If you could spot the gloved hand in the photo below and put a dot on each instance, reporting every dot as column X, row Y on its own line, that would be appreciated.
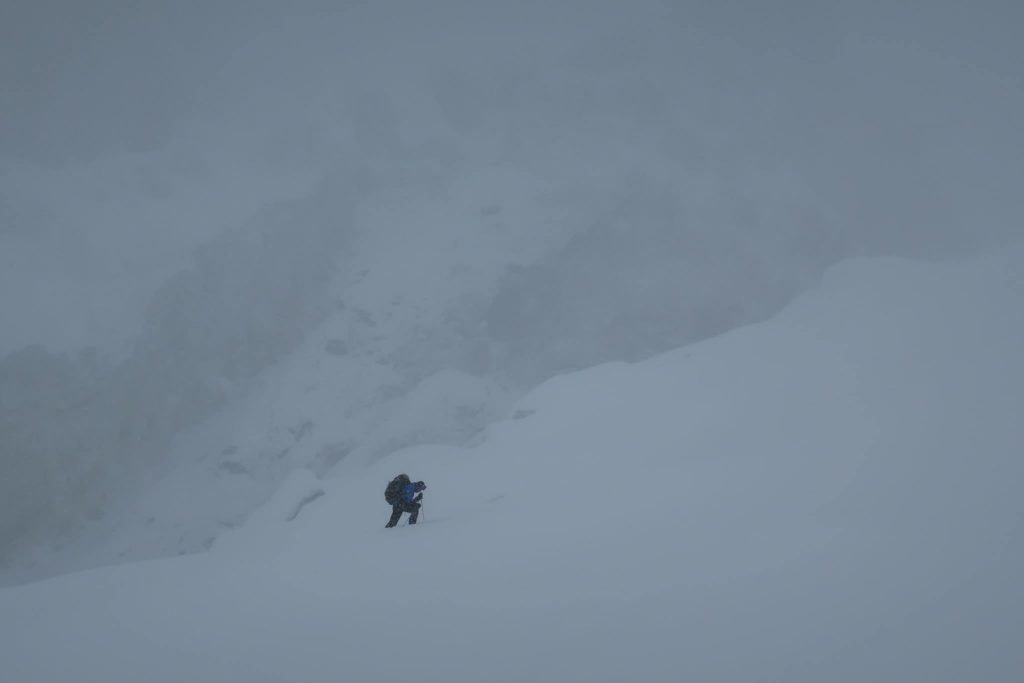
column 418, row 498
column 420, row 486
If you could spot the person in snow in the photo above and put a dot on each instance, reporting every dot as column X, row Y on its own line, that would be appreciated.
column 404, row 495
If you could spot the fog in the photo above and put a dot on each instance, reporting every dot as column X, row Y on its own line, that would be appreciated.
column 505, row 189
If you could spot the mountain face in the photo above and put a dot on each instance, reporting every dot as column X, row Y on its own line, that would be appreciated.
column 829, row 494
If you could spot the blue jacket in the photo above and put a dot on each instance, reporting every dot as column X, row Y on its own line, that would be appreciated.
column 410, row 490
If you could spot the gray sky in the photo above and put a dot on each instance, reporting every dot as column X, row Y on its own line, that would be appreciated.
column 911, row 103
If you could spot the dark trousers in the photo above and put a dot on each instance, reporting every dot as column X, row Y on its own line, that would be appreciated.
column 398, row 508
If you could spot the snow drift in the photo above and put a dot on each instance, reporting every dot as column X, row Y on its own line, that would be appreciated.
column 828, row 496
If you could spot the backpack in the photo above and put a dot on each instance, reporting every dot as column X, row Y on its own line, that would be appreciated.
column 393, row 493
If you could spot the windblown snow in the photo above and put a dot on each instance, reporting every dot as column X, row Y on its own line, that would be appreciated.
column 832, row 495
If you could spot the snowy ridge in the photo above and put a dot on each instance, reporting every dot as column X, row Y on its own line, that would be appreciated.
column 828, row 496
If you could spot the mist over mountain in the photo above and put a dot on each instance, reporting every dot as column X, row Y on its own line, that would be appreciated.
column 449, row 198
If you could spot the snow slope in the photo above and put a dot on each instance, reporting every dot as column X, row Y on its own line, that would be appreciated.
column 828, row 496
